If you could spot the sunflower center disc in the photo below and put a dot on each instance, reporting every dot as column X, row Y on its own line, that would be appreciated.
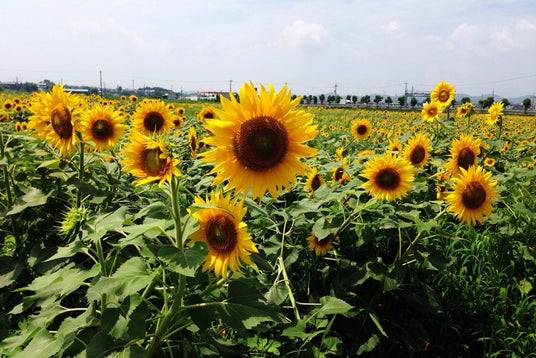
column 221, row 234
column 388, row 179
column 417, row 155
column 466, row 158
column 153, row 121
column 152, row 162
column 338, row 173
column 315, row 183
column 362, row 129
column 102, row 129
column 260, row 143
column 473, row 195
column 61, row 121
column 443, row 96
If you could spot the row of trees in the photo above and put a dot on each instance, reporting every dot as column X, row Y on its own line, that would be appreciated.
column 367, row 99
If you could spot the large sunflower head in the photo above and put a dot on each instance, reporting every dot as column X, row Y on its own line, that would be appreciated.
column 473, row 195
column 389, row 177
column 54, row 118
column 257, row 143
column 361, row 128
column 443, row 94
column 152, row 117
column 495, row 112
column 206, row 113
column 464, row 153
column 430, row 111
column 103, row 126
column 222, row 230
column 149, row 160
column 417, row 150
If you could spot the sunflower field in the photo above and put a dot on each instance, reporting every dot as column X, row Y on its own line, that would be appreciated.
column 259, row 226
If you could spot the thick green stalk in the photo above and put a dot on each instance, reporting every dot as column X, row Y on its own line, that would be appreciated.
column 80, row 174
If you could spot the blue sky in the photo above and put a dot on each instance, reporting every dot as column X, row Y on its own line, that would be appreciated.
column 363, row 47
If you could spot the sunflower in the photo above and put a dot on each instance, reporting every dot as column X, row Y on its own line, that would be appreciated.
column 222, row 230
column 394, row 145
column 472, row 195
column 206, row 113
column 180, row 111
column 464, row 153
column 417, row 150
column 495, row 112
column 321, row 247
column 489, row 162
column 361, row 128
column 133, row 98
column 389, row 177
column 314, row 181
column 464, row 110
column 152, row 117
column 103, row 126
column 54, row 119
column 149, row 160
column 193, row 142
column 430, row 111
column 178, row 121
column 257, row 142
column 443, row 94
column 8, row 105
column 340, row 174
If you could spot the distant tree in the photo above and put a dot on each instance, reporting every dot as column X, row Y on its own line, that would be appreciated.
column 354, row 99
column 348, row 98
column 505, row 102
column 331, row 99
column 413, row 102
column 466, row 100
column 322, row 98
column 378, row 99
column 489, row 101
column 389, row 100
column 315, row 99
column 365, row 99
column 401, row 100
column 526, row 104
column 28, row 87
column 338, row 99
column 309, row 98
column 293, row 97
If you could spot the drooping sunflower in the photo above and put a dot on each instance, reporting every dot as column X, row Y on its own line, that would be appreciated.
column 417, row 150
column 314, row 181
column 495, row 111
column 473, row 195
column 221, row 228
column 54, row 118
column 464, row 153
column 103, row 126
column 193, row 142
column 152, row 117
column 361, row 128
column 149, row 159
column 321, row 247
column 430, row 111
column 340, row 174
column 389, row 177
column 443, row 94
column 464, row 110
column 257, row 143
column 394, row 145
column 206, row 113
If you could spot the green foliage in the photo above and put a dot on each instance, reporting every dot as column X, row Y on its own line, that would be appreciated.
column 108, row 277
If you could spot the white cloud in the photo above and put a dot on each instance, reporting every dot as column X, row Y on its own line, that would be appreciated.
column 305, row 34
column 392, row 26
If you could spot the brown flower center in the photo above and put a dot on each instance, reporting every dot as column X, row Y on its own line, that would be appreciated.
column 61, row 121
column 153, row 121
column 339, row 172
column 208, row 115
column 473, row 195
column 444, row 96
column 260, row 143
column 316, row 182
column 102, row 129
column 388, row 178
column 466, row 158
column 432, row 111
column 152, row 163
column 221, row 234
column 362, row 129
column 417, row 155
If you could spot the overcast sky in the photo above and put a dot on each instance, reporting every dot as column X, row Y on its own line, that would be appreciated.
column 362, row 47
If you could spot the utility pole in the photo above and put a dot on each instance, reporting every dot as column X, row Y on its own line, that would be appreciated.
column 335, row 90
column 100, row 75
column 133, row 85
column 230, row 85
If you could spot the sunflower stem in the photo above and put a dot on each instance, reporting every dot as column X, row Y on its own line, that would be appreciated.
column 80, row 174
column 170, row 314
column 289, row 289
column 8, row 189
